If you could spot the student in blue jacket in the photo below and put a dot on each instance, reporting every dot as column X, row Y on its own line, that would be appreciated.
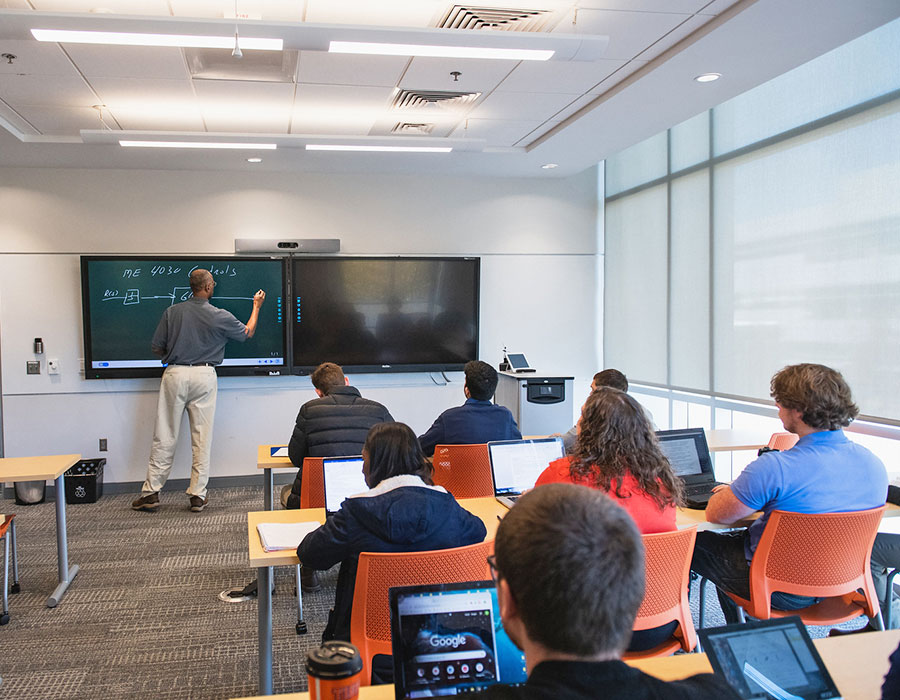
column 401, row 512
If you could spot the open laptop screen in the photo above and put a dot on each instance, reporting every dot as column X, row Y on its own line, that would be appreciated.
column 447, row 639
column 686, row 451
column 769, row 658
column 343, row 478
column 516, row 464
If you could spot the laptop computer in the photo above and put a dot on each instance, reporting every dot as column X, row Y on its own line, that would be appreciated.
column 343, row 478
column 689, row 456
column 447, row 639
column 516, row 464
column 769, row 659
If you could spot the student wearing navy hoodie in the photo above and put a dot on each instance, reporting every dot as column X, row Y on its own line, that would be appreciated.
column 401, row 512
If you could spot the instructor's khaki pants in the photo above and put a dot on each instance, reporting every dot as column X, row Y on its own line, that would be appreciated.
column 183, row 388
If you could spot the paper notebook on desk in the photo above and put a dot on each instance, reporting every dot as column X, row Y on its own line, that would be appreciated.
column 281, row 451
column 279, row 536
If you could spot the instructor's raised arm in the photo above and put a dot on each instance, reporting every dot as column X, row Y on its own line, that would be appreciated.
column 258, row 300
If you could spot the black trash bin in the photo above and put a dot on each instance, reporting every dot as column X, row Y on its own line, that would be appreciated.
column 84, row 481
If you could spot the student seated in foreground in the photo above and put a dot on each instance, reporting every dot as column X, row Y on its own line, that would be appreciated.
column 401, row 512
column 823, row 473
column 617, row 452
column 477, row 420
column 569, row 567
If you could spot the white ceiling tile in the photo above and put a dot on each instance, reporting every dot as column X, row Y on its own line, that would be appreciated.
column 557, row 76
column 59, row 121
column 618, row 76
column 347, row 69
column 333, row 109
column 691, row 25
column 320, row 124
column 498, row 133
column 16, row 5
column 228, row 105
column 158, row 119
column 677, row 6
column 117, row 7
column 521, row 105
column 477, row 75
column 35, row 58
column 137, row 94
column 237, row 90
column 391, row 13
column 268, row 10
column 96, row 61
column 629, row 32
column 572, row 108
column 59, row 90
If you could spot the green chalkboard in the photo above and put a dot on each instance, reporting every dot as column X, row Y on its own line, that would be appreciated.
column 123, row 299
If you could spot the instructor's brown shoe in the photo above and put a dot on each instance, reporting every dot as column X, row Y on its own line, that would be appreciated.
column 198, row 504
column 148, row 502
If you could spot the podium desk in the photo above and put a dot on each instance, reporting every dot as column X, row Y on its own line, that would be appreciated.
column 43, row 469
column 488, row 509
column 857, row 664
column 266, row 462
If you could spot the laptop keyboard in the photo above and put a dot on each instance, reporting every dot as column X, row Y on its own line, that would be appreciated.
column 701, row 488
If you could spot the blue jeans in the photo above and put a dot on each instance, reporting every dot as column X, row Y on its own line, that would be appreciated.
column 720, row 558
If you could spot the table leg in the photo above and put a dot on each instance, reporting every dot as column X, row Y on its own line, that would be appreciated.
column 66, row 574
column 269, row 487
column 264, row 598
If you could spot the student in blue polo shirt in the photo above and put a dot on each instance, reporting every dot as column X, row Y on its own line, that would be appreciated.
column 823, row 473
column 477, row 420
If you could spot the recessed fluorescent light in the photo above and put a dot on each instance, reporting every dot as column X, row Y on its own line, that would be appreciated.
column 397, row 149
column 550, row 166
column 65, row 36
column 708, row 77
column 198, row 144
column 254, row 160
column 439, row 51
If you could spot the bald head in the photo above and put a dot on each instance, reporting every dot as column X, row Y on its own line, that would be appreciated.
column 200, row 280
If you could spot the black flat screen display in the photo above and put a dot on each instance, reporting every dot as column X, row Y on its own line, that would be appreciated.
column 385, row 314
column 123, row 299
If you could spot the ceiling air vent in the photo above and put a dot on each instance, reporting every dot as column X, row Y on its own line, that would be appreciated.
column 503, row 18
column 410, row 129
column 425, row 99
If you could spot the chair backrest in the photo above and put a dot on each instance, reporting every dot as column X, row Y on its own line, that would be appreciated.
column 667, row 561
column 464, row 470
column 370, row 617
column 312, row 484
column 822, row 555
column 782, row 441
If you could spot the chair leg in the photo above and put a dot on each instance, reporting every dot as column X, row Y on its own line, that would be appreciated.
column 889, row 597
column 15, row 557
column 702, row 602
column 4, row 616
column 742, row 617
column 301, row 627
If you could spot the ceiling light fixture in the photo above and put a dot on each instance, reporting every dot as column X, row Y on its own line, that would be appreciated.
column 550, row 166
column 380, row 149
column 708, row 77
column 361, row 47
column 65, row 36
column 254, row 160
column 198, row 144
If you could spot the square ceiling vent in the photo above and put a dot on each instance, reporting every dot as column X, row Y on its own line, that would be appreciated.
column 260, row 66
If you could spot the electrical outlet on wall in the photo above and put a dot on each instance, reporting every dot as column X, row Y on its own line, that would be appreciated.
column 52, row 366
column 32, row 367
column 103, row 444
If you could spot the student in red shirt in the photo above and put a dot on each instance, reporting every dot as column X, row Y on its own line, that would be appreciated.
column 617, row 452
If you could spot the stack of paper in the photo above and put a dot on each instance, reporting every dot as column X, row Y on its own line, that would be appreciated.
column 275, row 536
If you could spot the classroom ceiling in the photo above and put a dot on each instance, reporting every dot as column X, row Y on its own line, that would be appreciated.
column 623, row 70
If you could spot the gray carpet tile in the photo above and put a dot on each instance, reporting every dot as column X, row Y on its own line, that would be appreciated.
column 143, row 618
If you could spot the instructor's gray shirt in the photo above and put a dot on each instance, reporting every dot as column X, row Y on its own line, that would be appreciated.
column 194, row 332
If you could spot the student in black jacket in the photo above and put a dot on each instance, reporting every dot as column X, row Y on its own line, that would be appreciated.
column 569, row 567
column 401, row 512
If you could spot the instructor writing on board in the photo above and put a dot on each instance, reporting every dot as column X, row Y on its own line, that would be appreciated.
column 190, row 339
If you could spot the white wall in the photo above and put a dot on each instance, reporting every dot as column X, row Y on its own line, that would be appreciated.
column 536, row 238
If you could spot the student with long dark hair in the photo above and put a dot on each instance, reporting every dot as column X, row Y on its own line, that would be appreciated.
column 617, row 452
column 401, row 512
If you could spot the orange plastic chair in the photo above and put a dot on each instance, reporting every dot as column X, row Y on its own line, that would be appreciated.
column 825, row 555
column 667, row 561
column 312, row 483
column 370, row 617
column 782, row 441
column 464, row 470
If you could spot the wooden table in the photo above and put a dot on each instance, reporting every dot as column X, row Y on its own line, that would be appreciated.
column 488, row 509
column 266, row 462
column 730, row 440
column 42, row 469
column 857, row 664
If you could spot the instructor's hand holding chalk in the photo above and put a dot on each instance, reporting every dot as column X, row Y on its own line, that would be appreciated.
column 259, row 298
